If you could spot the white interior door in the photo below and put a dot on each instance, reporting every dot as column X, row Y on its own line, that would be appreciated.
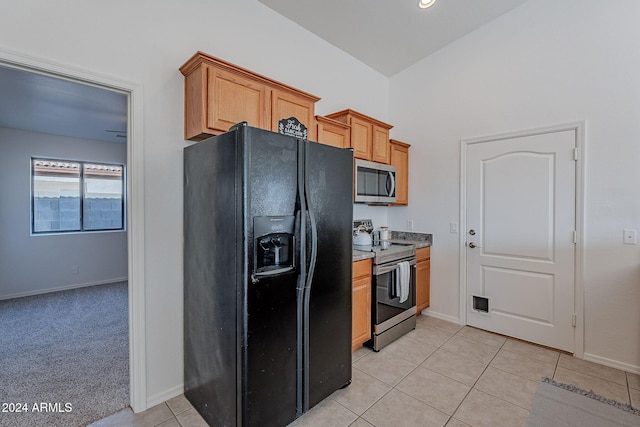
column 520, row 250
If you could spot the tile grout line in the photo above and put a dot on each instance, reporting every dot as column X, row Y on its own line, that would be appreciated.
column 414, row 369
column 528, row 357
column 626, row 377
column 393, row 387
column 478, row 379
column 555, row 368
column 370, row 406
column 471, row 388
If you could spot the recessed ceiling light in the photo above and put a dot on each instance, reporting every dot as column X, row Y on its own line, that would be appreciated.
column 423, row 4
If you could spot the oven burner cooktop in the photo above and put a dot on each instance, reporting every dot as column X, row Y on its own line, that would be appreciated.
column 388, row 252
column 385, row 250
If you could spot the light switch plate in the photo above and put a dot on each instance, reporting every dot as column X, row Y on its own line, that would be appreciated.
column 629, row 237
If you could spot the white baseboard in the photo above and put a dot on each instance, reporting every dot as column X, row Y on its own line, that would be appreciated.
column 165, row 395
column 612, row 363
column 62, row 288
column 452, row 319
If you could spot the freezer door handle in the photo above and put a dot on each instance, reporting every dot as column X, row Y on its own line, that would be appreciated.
column 309, row 276
column 314, row 247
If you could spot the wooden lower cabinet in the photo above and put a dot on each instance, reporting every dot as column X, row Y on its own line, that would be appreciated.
column 423, row 278
column 361, row 304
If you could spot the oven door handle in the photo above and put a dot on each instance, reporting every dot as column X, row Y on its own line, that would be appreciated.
column 384, row 269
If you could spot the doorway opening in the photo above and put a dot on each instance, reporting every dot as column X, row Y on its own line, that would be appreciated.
column 129, row 135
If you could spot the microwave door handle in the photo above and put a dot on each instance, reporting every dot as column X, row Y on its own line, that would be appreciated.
column 391, row 184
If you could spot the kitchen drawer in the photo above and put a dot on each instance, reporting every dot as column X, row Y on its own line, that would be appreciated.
column 362, row 268
column 423, row 253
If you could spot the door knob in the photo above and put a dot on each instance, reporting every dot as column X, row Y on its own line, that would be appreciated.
column 472, row 245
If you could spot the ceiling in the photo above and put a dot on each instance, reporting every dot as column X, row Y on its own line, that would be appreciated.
column 387, row 35
column 39, row 103
column 391, row 35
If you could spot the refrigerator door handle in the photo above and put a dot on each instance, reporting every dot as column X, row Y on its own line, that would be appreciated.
column 300, row 288
column 308, row 281
column 314, row 228
column 314, row 247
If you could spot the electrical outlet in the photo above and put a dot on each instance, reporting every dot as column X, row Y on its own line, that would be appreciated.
column 75, row 269
column 629, row 237
column 410, row 224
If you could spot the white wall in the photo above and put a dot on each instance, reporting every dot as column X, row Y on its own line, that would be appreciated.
column 36, row 264
column 547, row 62
column 145, row 42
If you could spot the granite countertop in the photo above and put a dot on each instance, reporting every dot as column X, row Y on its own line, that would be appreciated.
column 362, row 255
column 420, row 240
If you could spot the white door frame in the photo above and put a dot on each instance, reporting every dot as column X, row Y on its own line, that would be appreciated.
column 579, row 128
column 135, row 204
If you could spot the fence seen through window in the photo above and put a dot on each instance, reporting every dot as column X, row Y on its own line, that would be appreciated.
column 71, row 196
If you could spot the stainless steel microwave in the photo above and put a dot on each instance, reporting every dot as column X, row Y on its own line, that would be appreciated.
column 375, row 183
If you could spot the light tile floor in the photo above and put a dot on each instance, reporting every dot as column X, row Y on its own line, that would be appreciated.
column 440, row 374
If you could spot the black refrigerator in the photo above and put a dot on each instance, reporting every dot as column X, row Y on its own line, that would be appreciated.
column 267, row 275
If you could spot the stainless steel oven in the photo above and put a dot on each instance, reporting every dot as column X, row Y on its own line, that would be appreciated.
column 393, row 314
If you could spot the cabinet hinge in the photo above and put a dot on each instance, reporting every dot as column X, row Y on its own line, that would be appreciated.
column 576, row 153
column 573, row 320
column 575, row 237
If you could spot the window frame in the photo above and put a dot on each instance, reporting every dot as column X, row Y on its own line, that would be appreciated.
column 82, row 191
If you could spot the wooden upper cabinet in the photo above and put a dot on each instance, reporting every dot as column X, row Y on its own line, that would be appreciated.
column 285, row 104
column 249, row 99
column 380, row 151
column 332, row 132
column 400, row 159
column 361, row 137
column 369, row 136
column 219, row 94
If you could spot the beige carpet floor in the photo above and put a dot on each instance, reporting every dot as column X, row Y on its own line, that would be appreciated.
column 64, row 357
